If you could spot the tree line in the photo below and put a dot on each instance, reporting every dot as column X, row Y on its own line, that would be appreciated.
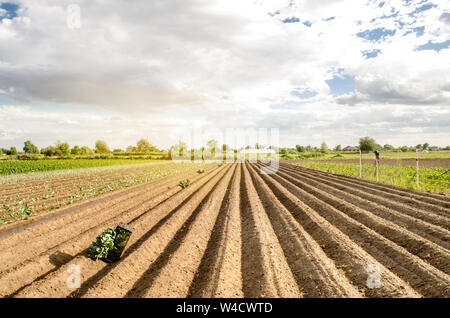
column 63, row 149
column 366, row 144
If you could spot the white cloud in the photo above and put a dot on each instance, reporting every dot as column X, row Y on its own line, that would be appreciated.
column 224, row 61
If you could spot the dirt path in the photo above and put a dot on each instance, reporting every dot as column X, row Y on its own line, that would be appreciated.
column 235, row 232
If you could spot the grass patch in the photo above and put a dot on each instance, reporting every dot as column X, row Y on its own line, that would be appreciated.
column 430, row 179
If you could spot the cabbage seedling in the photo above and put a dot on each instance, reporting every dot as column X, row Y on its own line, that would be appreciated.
column 184, row 183
column 103, row 244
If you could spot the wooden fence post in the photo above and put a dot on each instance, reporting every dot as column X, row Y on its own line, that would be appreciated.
column 417, row 167
column 360, row 164
column 377, row 169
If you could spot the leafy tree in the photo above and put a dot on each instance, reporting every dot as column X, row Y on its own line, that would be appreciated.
column 62, row 148
column 30, row 148
column 76, row 150
column 308, row 148
column 50, row 151
column 132, row 149
column 258, row 146
column 324, row 148
column 12, row 151
column 338, row 148
column 117, row 150
column 143, row 145
column 367, row 144
column 404, row 148
column 425, row 146
column 212, row 146
column 388, row 147
column 203, row 152
column 300, row 148
column 182, row 148
column 86, row 151
column 419, row 146
column 101, row 147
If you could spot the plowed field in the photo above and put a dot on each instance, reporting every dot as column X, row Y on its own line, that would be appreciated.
column 236, row 232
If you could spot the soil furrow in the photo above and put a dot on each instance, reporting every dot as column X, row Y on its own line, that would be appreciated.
column 219, row 273
column 172, row 273
column 13, row 188
column 421, row 276
column 126, row 279
column 422, row 228
column 81, row 222
column 369, row 189
column 143, row 225
column 348, row 256
column 265, row 271
column 431, row 253
column 235, row 231
column 436, row 199
column 130, row 198
column 315, row 273
column 436, row 217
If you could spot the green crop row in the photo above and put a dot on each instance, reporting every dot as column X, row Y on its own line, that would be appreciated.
column 26, row 166
column 430, row 179
column 43, row 197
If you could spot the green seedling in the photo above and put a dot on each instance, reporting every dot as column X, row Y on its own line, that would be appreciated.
column 184, row 183
column 201, row 170
column 103, row 244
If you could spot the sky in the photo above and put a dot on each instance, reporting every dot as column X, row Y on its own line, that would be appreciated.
column 329, row 70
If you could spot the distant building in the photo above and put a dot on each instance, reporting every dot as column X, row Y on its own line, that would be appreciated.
column 351, row 149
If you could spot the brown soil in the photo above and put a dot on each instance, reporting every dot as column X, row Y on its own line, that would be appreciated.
column 235, row 232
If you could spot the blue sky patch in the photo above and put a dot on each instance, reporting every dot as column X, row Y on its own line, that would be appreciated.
column 423, row 8
column 433, row 46
column 303, row 93
column 329, row 19
column 296, row 20
column 381, row 4
column 376, row 34
column 291, row 20
column 371, row 54
column 419, row 31
column 274, row 13
column 341, row 84
column 287, row 105
column 393, row 15
column 11, row 10
column 4, row 98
